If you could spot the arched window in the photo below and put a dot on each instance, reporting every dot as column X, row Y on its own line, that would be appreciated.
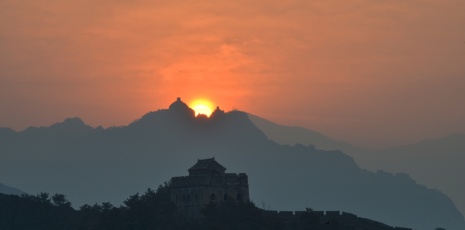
column 239, row 197
column 196, row 198
column 213, row 197
column 188, row 198
column 177, row 199
column 225, row 196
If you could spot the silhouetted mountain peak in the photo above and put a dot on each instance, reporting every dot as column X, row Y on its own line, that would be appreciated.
column 232, row 126
column 72, row 121
column 180, row 113
column 217, row 113
column 71, row 124
column 182, row 108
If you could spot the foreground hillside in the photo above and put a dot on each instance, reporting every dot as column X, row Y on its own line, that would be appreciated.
column 153, row 210
column 96, row 165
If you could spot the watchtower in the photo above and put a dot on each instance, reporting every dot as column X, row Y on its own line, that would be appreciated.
column 207, row 182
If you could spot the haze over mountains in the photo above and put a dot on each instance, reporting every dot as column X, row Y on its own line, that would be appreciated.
column 437, row 163
column 96, row 165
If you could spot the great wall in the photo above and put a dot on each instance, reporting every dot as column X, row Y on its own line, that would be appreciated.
column 327, row 217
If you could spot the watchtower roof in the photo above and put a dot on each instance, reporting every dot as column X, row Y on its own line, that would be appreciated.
column 209, row 164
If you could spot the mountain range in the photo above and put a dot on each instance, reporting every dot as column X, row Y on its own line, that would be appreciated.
column 108, row 164
column 437, row 163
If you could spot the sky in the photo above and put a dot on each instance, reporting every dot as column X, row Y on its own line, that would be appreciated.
column 374, row 73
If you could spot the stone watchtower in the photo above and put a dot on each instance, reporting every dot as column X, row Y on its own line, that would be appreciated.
column 207, row 182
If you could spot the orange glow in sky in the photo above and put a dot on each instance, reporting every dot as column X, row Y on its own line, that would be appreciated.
column 202, row 106
column 392, row 70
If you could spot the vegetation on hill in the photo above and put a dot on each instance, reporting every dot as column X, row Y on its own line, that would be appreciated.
column 151, row 210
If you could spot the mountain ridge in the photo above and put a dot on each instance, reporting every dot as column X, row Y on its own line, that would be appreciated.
column 435, row 162
column 111, row 164
column 298, row 135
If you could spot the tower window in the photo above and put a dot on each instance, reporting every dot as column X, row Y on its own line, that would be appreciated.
column 213, row 197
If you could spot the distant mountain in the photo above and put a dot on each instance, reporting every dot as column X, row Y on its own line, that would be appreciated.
column 438, row 163
column 435, row 163
column 291, row 135
column 96, row 165
column 9, row 190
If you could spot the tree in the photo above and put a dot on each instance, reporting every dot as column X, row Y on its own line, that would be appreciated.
column 43, row 198
column 61, row 201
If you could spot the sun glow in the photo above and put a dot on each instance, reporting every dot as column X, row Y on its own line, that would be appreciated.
column 202, row 106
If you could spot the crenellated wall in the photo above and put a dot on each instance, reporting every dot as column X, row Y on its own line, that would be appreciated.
column 327, row 217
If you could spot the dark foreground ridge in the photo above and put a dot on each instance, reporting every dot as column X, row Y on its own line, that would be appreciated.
column 154, row 210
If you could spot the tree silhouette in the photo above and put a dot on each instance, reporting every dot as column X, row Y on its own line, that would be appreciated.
column 151, row 210
column 61, row 201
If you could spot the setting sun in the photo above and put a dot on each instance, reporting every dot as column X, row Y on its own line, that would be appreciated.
column 202, row 106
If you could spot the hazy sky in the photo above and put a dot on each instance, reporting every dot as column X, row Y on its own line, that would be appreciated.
column 371, row 72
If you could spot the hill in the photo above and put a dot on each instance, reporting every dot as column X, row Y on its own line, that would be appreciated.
column 96, row 165
column 154, row 210
column 9, row 190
